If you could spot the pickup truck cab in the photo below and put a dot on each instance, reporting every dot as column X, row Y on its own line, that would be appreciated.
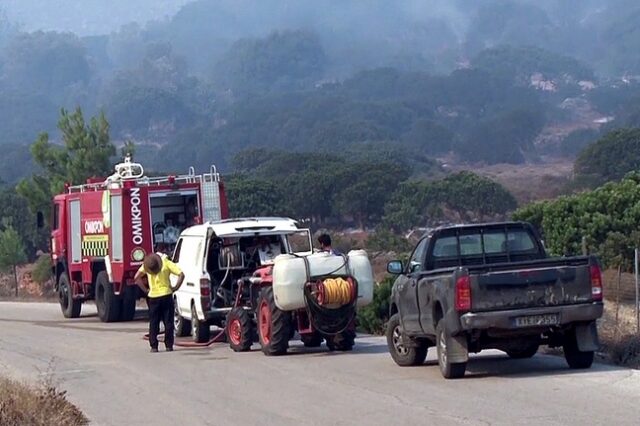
column 492, row 286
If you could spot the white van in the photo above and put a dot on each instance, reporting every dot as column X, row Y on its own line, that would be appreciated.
column 215, row 255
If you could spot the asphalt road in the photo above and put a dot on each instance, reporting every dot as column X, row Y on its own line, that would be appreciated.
column 112, row 377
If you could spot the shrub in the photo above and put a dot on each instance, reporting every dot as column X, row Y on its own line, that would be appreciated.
column 373, row 317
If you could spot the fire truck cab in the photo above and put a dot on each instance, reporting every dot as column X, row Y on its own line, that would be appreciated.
column 102, row 230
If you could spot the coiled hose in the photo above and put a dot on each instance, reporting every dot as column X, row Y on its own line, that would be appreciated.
column 331, row 320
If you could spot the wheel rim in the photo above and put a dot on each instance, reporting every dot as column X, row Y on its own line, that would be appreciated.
column 177, row 319
column 442, row 350
column 400, row 348
column 195, row 323
column 265, row 322
column 235, row 332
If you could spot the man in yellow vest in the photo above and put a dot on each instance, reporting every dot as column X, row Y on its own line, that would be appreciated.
column 158, row 270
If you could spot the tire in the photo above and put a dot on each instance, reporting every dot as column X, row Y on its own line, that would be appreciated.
column 576, row 359
column 449, row 370
column 181, row 325
column 70, row 307
column 274, row 325
column 200, row 331
column 129, row 299
column 403, row 355
column 109, row 305
column 523, row 352
column 342, row 341
column 240, row 329
column 312, row 340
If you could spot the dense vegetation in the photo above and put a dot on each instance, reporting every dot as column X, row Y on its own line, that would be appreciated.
column 608, row 217
column 217, row 78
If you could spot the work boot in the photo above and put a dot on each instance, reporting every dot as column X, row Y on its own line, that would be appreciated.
column 154, row 350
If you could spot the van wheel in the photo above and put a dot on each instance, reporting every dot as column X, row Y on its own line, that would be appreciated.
column 200, row 330
column 274, row 325
column 449, row 370
column 576, row 358
column 70, row 307
column 129, row 299
column 403, row 355
column 181, row 325
column 240, row 329
column 109, row 305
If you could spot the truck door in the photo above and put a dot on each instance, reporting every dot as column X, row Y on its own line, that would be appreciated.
column 408, row 289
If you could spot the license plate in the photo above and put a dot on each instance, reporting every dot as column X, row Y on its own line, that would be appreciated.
column 537, row 320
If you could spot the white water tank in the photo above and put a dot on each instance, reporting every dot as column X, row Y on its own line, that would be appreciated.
column 290, row 276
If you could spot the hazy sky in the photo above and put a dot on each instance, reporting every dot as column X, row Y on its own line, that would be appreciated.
column 86, row 17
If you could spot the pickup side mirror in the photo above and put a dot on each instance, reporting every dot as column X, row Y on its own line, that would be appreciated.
column 40, row 220
column 395, row 267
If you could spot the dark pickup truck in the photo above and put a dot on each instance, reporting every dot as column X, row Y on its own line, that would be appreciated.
column 492, row 286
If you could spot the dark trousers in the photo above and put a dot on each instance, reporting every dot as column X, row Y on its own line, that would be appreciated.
column 161, row 309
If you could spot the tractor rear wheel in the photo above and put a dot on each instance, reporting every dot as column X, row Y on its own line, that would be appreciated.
column 109, row 305
column 274, row 325
column 342, row 341
column 240, row 329
column 70, row 307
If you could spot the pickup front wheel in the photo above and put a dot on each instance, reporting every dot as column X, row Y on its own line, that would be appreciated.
column 448, row 369
column 402, row 354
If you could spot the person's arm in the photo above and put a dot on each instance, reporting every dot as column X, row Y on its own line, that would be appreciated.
column 175, row 270
column 138, row 280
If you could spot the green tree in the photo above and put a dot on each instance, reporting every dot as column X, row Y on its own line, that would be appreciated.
column 85, row 153
column 12, row 252
column 282, row 60
column 253, row 197
column 609, row 158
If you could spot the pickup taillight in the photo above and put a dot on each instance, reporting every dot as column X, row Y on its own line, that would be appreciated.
column 205, row 293
column 596, row 283
column 463, row 294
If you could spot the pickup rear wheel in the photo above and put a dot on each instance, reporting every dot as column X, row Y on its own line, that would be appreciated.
column 402, row 354
column 448, row 369
column 576, row 358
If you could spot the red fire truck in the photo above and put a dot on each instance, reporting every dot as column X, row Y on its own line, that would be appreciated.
column 102, row 230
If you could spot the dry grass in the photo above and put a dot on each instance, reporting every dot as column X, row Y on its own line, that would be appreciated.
column 620, row 339
column 26, row 405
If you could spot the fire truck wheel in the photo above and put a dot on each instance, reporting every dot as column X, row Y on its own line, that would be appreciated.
column 108, row 304
column 240, row 329
column 181, row 325
column 200, row 330
column 129, row 299
column 70, row 307
column 274, row 325
column 342, row 341
column 312, row 340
